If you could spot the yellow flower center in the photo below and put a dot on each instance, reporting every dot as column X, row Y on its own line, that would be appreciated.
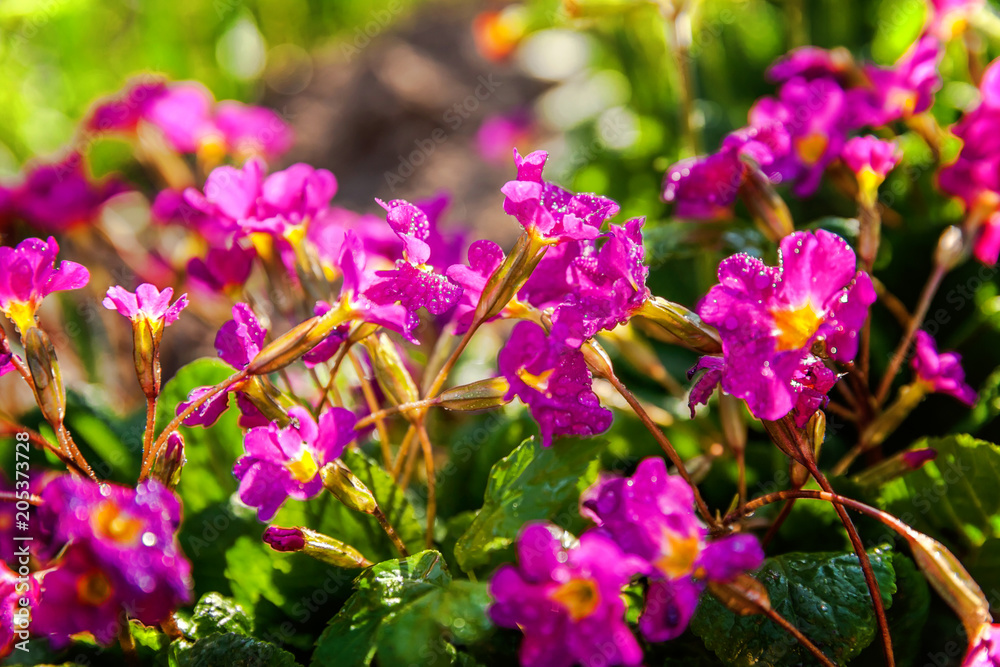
column 110, row 522
column 538, row 382
column 22, row 314
column 904, row 100
column 868, row 182
column 578, row 596
column 211, row 149
column 794, row 328
column 811, row 147
column 679, row 554
column 93, row 588
column 305, row 468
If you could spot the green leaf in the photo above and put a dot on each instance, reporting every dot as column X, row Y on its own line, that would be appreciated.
column 907, row 616
column 822, row 594
column 229, row 650
column 112, row 444
column 955, row 497
column 406, row 610
column 215, row 613
column 534, row 483
column 207, row 477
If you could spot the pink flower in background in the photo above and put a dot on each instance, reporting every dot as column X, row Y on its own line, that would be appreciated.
column 940, row 372
column 191, row 121
column 30, row 275
column 947, row 18
column 567, row 602
column 770, row 319
column 224, row 270
column 908, row 87
column 501, row 133
column 871, row 159
column 59, row 196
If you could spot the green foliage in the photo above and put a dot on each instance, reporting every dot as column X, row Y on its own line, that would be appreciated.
column 822, row 594
column 405, row 610
column 534, row 483
column 956, row 497
column 228, row 650
column 217, row 614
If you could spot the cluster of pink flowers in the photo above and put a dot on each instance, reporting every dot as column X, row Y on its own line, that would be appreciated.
column 567, row 601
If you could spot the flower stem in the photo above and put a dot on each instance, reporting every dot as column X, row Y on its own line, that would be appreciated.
column 390, row 531
column 664, row 443
column 866, row 565
column 802, row 639
column 372, row 402
column 396, row 409
column 933, row 282
column 428, row 451
column 147, row 435
column 147, row 462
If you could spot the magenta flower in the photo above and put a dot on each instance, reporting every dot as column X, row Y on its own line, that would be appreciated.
column 984, row 649
column 986, row 247
column 358, row 281
column 412, row 282
column 146, row 304
column 290, row 198
column 650, row 515
column 549, row 212
column 30, row 275
column 871, row 159
column 230, row 196
column 807, row 62
column 59, row 196
column 940, row 372
column 816, row 115
column 130, row 533
column 251, row 130
column 500, row 133
column 80, row 594
column 484, row 258
column 225, row 269
column 567, row 602
column 705, row 187
column 183, row 112
column 237, row 343
column 549, row 374
column 122, row 112
column 285, row 462
column 770, row 319
column 947, row 18
column 908, row 87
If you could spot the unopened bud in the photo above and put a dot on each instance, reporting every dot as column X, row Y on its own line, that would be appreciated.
column 146, row 356
column 950, row 248
column 682, row 325
column 510, row 276
column 817, row 432
column 597, row 359
column 299, row 340
column 790, row 439
column 390, row 371
column 895, row 466
column 347, row 488
column 44, row 367
column 317, row 545
column 743, row 595
column 169, row 461
column 266, row 398
column 480, row 395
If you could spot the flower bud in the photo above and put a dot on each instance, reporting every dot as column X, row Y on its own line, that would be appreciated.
column 169, row 461
column 317, row 545
column 44, row 367
column 299, row 340
column 510, row 276
column 266, row 398
column 790, row 439
column 597, row 359
column 895, row 466
column 682, row 325
column 390, row 371
column 480, row 395
column 146, row 356
column 347, row 488
column 950, row 248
